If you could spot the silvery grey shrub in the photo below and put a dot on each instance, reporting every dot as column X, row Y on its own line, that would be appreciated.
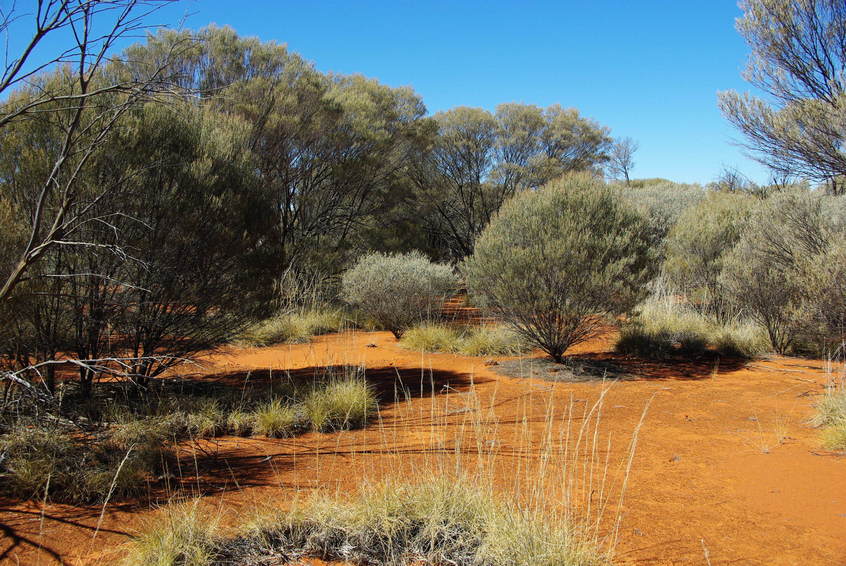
column 398, row 290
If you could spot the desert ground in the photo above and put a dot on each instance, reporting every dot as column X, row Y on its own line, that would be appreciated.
column 726, row 468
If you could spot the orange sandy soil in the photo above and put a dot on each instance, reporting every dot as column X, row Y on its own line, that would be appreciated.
column 726, row 464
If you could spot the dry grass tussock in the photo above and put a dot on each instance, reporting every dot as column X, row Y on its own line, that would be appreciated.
column 561, row 507
column 665, row 325
column 295, row 327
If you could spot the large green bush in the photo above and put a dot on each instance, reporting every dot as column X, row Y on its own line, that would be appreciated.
column 398, row 290
column 555, row 261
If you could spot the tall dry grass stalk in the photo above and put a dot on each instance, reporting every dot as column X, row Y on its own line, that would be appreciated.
column 550, row 473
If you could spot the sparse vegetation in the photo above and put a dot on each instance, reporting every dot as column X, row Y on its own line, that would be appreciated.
column 341, row 403
column 294, row 327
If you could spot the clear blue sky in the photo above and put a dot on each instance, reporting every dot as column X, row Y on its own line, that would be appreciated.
column 648, row 69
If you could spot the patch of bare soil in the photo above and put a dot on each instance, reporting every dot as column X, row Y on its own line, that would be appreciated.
column 727, row 469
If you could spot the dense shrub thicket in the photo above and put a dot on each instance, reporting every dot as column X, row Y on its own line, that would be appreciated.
column 398, row 290
column 554, row 263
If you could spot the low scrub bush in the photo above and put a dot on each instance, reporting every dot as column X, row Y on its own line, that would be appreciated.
column 398, row 290
column 339, row 404
column 556, row 263
column 41, row 461
column 786, row 271
column 437, row 522
column 470, row 341
column 698, row 244
column 294, row 327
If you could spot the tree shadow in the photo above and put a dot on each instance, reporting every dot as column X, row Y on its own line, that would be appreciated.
column 598, row 366
column 232, row 463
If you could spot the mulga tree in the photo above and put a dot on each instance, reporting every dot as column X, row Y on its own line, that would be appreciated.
column 479, row 160
column 558, row 262
column 328, row 147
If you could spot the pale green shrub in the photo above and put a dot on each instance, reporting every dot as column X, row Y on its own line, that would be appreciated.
column 554, row 263
column 662, row 203
column 786, row 272
column 398, row 290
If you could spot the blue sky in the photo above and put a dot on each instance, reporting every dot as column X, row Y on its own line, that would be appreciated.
column 648, row 69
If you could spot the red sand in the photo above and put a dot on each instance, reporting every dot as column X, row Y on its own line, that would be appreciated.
column 726, row 463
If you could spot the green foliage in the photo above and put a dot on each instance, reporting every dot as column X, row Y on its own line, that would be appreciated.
column 496, row 340
column 698, row 244
column 797, row 60
column 555, row 262
column 786, row 271
column 398, row 290
column 479, row 160
column 662, row 203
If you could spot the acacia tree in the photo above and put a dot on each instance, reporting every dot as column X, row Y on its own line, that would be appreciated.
column 195, row 226
column 479, row 160
column 799, row 59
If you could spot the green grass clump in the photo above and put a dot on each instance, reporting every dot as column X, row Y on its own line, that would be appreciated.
column 492, row 341
column 240, row 423
column 430, row 337
column 390, row 524
column 665, row 326
column 294, row 328
column 275, row 419
column 178, row 536
column 831, row 416
column 339, row 404
column 469, row 341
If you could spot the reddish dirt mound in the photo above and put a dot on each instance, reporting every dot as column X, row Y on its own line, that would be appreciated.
column 726, row 465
